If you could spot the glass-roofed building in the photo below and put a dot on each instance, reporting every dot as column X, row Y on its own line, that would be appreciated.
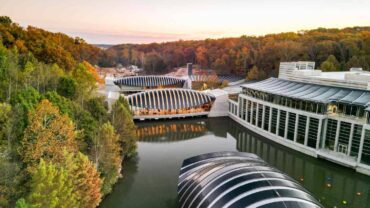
column 322, row 114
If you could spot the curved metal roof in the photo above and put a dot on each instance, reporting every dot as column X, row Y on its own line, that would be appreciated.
column 167, row 99
column 149, row 81
column 235, row 179
column 312, row 92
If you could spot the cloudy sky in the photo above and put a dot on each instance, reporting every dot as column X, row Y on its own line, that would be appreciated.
column 143, row 21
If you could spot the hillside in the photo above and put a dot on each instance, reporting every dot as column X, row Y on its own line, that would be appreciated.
column 46, row 46
column 349, row 46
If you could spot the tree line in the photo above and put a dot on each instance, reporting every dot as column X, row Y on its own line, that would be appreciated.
column 255, row 56
column 59, row 144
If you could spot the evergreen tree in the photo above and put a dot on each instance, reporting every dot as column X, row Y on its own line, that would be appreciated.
column 50, row 187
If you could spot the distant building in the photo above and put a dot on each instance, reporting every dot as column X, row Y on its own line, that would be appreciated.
column 322, row 114
column 141, row 83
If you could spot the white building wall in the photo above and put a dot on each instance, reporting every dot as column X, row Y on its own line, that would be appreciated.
column 317, row 150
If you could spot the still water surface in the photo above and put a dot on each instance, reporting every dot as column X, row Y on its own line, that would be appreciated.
column 150, row 180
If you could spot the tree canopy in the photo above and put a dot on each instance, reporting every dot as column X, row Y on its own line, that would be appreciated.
column 239, row 55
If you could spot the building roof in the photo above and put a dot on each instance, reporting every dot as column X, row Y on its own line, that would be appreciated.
column 312, row 92
column 235, row 179
column 149, row 81
column 167, row 99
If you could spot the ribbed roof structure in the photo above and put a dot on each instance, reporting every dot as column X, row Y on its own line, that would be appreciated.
column 312, row 92
column 168, row 99
column 149, row 81
column 234, row 180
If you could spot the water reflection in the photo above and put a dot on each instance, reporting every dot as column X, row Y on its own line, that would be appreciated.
column 151, row 179
column 171, row 132
column 333, row 185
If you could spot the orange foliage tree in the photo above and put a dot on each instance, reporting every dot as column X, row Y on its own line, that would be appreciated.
column 47, row 134
column 93, row 71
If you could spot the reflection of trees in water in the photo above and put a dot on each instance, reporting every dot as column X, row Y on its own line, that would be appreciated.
column 124, row 184
column 170, row 132
column 330, row 183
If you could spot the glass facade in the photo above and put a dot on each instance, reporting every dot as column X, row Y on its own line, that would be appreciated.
column 274, row 120
column 339, row 136
column 249, row 103
column 260, row 114
column 343, row 138
column 282, row 119
column 291, row 126
column 267, row 118
column 365, row 157
column 313, row 132
column 331, row 131
column 356, row 139
column 314, row 107
column 301, row 131
column 309, row 106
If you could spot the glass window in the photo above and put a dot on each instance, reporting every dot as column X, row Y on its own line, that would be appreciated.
column 365, row 157
column 274, row 120
column 312, row 132
column 301, row 132
column 330, row 134
column 343, row 138
column 260, row 112
column 254, row 113
column 267, row 117
column 282, row 123
column 356, row 138
column 291, row 126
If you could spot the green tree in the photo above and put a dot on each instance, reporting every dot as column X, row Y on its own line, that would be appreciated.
column 85, row 81
column 85, row 178
column 98, row 108
column 10, row 180
column 331, row 64
column 5, row 110
column 21, row 203
column 50, row 187
column 123, row 123
column 107, row 156
column 28, row 98
column 67, row 87
column 5, row 20
column 358, row 62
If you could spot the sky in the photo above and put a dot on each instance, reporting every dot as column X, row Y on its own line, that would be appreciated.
column 145, row 21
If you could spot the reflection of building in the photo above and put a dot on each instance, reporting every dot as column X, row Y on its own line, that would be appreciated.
column 170, row 103
column 320, row 114
column 164, row 132
column 328, row 182
column 140, row 83
column 234, row 179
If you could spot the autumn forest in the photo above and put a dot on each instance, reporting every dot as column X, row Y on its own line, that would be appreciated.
column 60, row 145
